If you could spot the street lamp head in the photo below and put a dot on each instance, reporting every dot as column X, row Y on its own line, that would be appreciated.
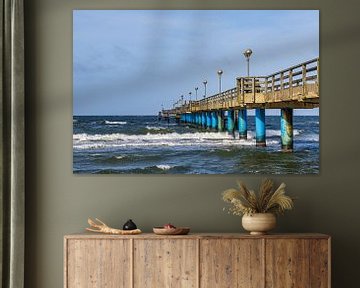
column 205, row 82
column 196, row 88
column 247, row 53
column 220, row 72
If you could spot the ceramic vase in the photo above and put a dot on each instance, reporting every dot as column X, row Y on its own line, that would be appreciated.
column 259, row 223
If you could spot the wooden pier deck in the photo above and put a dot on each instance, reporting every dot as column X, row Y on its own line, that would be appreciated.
column 296, row 87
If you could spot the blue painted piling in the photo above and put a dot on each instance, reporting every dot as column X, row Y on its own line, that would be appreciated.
column 260, row 127
column 230, row 121
column 242, row 123
column 208, row 120
column 214, row 119
column 287, row 135
column 220, row 120
column 203, row 119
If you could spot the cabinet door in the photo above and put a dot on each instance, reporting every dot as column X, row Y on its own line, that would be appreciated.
column 165, row 263
column 320, row 263
column 98, row 263
column 287, row 263
column 231, row 263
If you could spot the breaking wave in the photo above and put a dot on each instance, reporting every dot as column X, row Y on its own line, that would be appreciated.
column 115, row 122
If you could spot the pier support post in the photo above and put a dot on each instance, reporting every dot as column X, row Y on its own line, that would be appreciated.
column 220, row 120
column 203, row 119
column 230, row 122
column 260, row 127
column 214, row 119
column 286, row 125
column 242, row 123
column 208, row 120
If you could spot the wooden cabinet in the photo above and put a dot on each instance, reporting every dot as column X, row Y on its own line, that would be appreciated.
column 98, row 263
column 197, row 260
column 165, row 263
column 231, row 263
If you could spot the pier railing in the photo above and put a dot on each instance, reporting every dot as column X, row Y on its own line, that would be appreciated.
column 294, row 87
column 297, row 83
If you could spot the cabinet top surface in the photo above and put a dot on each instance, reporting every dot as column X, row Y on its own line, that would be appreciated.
column 87, row 235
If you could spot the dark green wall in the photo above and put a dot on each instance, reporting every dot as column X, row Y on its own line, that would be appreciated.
column 59, row 202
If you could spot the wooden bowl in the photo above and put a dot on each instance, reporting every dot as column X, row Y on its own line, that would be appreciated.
column 171, row 231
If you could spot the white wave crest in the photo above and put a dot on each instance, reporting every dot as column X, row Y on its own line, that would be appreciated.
column 115, row 122
column 273, row 133
column 163, row 167
column 205, row 140
column 311, row 137
column 155, row 128
column 115, row 140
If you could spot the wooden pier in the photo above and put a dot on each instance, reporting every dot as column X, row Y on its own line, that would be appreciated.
column 293, row 88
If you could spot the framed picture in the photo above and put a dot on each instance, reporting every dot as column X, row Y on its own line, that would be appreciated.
column 196, row 92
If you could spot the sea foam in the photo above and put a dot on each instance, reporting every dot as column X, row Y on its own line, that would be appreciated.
column 155, row 128
column 198, row 139
column 96, row 141
column 164, row 167
column 115, row 122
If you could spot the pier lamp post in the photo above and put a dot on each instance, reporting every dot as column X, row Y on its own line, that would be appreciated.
column 205, row 83
column 182, row 99
column 247, row 54
column 220, row 72
column 196, row 89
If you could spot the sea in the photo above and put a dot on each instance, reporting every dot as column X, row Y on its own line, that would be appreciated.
column 145, row 145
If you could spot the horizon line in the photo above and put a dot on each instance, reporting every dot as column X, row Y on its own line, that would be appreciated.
column 116, row 115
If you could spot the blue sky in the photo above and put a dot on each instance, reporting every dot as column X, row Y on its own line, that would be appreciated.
column 130, row 62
